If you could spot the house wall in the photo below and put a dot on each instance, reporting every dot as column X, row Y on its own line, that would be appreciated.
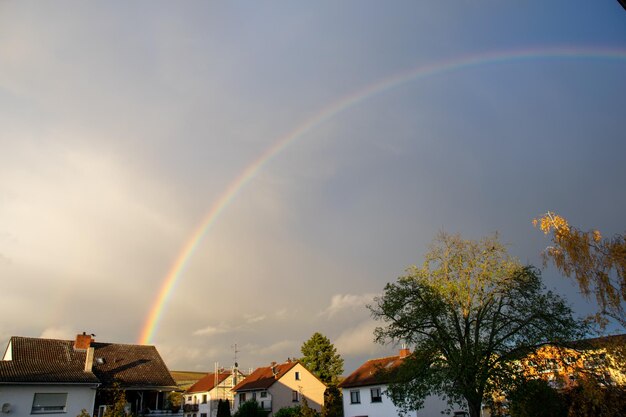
column 20, row 397
column 433, row 405
column 308, row 386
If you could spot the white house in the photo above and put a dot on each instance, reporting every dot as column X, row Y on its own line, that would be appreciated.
column 49, row 376
column 279, row 386
column 38, row 376
column 364, row 392
column 201, row 399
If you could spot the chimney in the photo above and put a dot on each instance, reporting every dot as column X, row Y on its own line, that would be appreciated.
column 89, row 360
column 404, row 352
column 83, row 341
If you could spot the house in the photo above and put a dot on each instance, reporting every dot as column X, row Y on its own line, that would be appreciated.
column 281, row 385
column 202, row 398
column 364, row 391
column 561, row 366
column 43, row 376
column 46, row 376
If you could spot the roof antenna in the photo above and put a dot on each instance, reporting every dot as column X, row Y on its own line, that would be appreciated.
column 235, row 357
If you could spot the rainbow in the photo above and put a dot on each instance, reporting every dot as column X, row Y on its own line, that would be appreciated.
column 333, row 109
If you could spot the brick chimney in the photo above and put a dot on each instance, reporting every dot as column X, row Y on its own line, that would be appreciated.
column 404, row 352
column 83, row 341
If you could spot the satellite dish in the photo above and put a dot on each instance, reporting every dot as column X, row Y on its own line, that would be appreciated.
column 6, row 408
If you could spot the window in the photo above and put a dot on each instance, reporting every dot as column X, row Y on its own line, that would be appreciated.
column 375, row 393
column 189, row 399
column 263, row 394
column 204, row 399
column 254, row 396
column 242, row 397
column 297, row 376
column 49, row 403
column 355, row 397
column 295, row 396
column 202, row 414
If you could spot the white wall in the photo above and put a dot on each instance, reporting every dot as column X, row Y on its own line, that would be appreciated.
column 21, row 399
column 433, row 405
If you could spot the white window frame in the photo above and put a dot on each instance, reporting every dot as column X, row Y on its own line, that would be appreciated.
column 295, row 396
column 355, row 396
column 378, row 398
column 37, row 408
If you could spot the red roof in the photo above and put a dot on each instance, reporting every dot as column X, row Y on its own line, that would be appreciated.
column 207, row 382
column 263, row 378
column 373, row 372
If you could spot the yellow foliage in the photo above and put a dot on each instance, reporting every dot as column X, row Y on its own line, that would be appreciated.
column 552, row 221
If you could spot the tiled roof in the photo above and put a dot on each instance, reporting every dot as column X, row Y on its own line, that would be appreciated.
column 130, row 365
column 373, row 372
column 56, row 361
column 46, row 361
column 601, row 342
column 263, row 378
column 207, row 383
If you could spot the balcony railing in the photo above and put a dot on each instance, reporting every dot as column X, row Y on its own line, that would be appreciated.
column 190, row 408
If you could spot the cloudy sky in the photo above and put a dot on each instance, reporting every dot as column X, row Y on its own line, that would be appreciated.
column 123, row 125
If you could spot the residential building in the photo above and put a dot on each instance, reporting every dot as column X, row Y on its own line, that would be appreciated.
column 201, row 399
column 46, row 376
column 364, row 391
column 604, row 358
column 281, row 385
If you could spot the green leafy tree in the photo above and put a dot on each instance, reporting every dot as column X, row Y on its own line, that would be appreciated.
column 174, row 401
column 250, row 409
column 305, row 410
column 536, row 398
column 84, row 413
column 223, row 408
column 333, row 402
column 321, row 358
column 288, row 412
column 597, row 264
column 469, row 312
column 118, row 405
column 591, row 399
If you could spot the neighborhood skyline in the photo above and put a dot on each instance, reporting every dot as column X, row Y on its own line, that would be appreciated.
column 201, row 175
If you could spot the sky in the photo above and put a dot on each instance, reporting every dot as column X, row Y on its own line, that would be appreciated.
column 292, row 157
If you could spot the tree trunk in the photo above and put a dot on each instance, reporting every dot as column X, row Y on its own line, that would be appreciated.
column 474, row 408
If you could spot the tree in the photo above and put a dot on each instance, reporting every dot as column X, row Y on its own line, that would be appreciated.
column 250, row 409
column 321, row 358
column 118, row 406
column 598, row 264
column 470, row 311
column 174, row 401
column 306, row 410
column 333, row 402
column 288, row 412
column 223, row 408
column 536, row 398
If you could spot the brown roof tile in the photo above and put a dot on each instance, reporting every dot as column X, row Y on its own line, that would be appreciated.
column 207, row 383
column 46, row 361
column 49, row 360
column 373, row 372
column 263, row 378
